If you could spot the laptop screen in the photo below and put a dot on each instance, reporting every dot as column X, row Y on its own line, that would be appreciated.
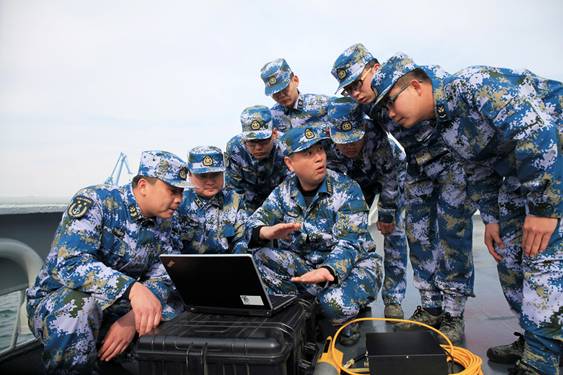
column 217, row 280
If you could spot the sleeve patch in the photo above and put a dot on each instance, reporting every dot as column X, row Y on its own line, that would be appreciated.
column 79, row 206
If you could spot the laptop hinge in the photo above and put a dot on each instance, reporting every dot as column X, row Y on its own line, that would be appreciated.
column 196, row 359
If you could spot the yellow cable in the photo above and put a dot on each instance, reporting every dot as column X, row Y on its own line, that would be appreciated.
column 469, row 361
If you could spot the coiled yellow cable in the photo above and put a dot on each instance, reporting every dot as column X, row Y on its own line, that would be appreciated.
column 469, row 361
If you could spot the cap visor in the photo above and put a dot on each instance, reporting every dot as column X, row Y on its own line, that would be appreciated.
column 271, row 90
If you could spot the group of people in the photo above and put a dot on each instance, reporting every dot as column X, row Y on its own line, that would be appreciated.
column 294, row 189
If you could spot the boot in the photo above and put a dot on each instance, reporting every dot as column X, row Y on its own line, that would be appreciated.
column 453, row 327
column 507, row 353
column 422, row 316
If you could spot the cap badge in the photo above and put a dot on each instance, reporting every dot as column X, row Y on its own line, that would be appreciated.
column 183, row 173
column 207, row 161
column 255, row 125
column 346, row 126
column 272, row 80
column 309, row 134
column 341, row 73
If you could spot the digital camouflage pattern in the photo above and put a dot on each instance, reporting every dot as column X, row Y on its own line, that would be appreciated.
column 163, row 165
column 308, row 108
column 333, row 234
column 439, row 212
column 212, row 226
column 350, row 64
column 206, row 159
column 102, row 246
column 380, row 169
column 511, row 123
column 252, row 178
column 256, row 122
column 300, row 139
column 276, row 75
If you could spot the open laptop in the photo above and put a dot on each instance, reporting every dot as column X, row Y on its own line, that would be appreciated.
column 222, row 284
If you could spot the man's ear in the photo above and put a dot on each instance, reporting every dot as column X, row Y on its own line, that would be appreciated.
column 296, row 80
column 275, row 134
column 417, row 85
column 288, row 163
column 142, row 186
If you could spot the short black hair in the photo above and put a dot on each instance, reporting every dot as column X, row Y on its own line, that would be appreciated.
column 135, row 181
column 417, row 74
column 371, row 63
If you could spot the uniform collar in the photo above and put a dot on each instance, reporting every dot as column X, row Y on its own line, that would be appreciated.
column 218, row 200
column 297, row 106
column 325, row 188
column 134, row 209
column 441, row 112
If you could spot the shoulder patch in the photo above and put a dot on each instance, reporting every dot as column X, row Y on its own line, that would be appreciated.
column 79, row 206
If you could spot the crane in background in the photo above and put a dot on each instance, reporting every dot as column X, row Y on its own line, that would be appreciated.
column 113, row 178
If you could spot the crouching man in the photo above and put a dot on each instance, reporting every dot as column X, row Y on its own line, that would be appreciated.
column 319, row 221
column 102, row 281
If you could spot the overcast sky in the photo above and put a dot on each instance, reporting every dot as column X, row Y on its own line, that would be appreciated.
column 82, row 81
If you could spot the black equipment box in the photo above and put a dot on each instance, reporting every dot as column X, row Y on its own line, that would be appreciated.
column 404, row 352
column 194, row 343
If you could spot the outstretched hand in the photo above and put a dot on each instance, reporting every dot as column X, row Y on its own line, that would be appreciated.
column 319, row 275
column 281, row 231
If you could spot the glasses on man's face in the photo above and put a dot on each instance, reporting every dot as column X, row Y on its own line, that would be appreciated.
column 356, row 85
column 390, row 100
column 252, row 143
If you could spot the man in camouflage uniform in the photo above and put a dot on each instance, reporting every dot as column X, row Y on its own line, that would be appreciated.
column 103, row 270
column 211, row 218
column 293, row 109
column 438, row 211
column 254, row 158
column 510, row 125
column 364, row 152
column 319, row 220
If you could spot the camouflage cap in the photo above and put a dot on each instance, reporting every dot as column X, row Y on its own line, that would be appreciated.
column 391, row 70
column 346, row 118
column 206, row 159
column 349, row 65
column 300, row 139
column 165, row 166
column 256, row 122
column 276, row 76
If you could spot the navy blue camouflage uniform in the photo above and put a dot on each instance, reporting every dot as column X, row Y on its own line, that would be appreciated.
column 509, row 126
column 251, row 177
column 438, row 210
column 211, row 225
column 102, row 246
column 333, row 234
column 307, row 108
column 379, row 169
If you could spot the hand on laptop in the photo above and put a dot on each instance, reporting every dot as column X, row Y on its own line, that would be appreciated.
column 320, row 275
column 147, row 308
column 279, row 231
